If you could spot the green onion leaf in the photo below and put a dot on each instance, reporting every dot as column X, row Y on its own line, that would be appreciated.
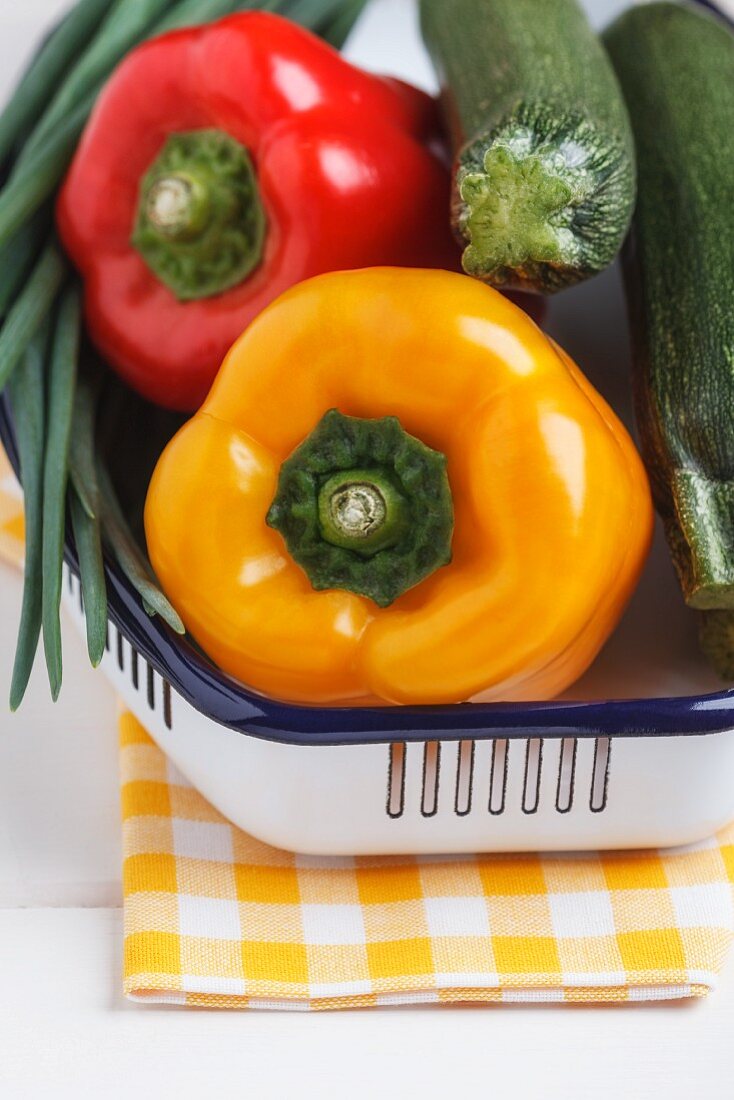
column 129, row 556
column 124, row 26
column 82, row 464
column 314, row 13
column 27, row 399
column 16, row 258
column 47, row 69
column 191, row 13
column 38, row 172
column 88, row 539
column 62, row 379
column 338, row 30
column 30, row 308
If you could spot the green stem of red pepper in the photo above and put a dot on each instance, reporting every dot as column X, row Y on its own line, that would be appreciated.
column 200, row 224
column 365, row 507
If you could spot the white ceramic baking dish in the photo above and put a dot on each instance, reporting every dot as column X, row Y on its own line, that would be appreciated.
column 640, row 753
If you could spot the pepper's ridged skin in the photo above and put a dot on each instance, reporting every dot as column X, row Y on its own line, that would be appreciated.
column 552, row 510
column 327, row 168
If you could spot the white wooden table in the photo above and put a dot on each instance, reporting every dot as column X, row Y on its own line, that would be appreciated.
column 65, row 1029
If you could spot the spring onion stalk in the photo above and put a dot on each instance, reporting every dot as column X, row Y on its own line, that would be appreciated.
column 124, row 26
column 189, row 13
column 82, row 464
column 27, row 399
column 314, row 14
column 30, row 308
column 47, row 69
column 85, row 515
column 339, row 29
column 37, row 175
column 88, row 539
column 62, row 378
column 128, row 554
column 128, row 23
column 16, row 259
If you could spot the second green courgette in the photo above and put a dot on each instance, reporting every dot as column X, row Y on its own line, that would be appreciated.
column 676, row 67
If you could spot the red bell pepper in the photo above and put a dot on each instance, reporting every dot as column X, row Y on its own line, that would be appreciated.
column 222, row 165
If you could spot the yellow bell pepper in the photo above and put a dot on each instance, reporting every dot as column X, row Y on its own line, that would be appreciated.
column 304, row 534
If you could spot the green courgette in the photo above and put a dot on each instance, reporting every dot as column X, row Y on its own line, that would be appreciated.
column 676, row 68
column 544, row 183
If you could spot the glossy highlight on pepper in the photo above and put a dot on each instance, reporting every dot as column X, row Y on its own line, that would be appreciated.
column 223, row 164
column 552, row 512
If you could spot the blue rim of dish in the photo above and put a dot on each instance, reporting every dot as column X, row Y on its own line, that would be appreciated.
column 230, row 704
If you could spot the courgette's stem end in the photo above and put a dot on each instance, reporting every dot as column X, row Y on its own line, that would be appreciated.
column 513, row 212
column 700, row 533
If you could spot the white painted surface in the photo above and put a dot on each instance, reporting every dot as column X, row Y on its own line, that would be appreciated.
column 65, row 1029
column 64, row 1032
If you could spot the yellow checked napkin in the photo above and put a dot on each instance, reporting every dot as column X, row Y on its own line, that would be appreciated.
column 215, row 918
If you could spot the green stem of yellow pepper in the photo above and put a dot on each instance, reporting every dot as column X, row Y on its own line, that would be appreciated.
column 363, row 511
column 363, row 506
